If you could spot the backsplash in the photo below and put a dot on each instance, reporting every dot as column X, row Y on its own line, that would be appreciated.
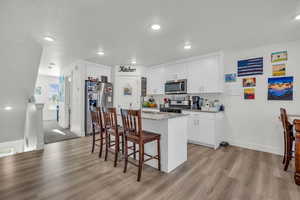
column 209, row 96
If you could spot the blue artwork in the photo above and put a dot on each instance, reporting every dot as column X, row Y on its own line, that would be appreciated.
column 280, row 88
column 250, row 67
column 230, row 78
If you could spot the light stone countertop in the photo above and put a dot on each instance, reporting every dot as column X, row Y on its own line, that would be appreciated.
column 160, row 115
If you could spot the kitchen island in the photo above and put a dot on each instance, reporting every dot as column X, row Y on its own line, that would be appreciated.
column 173, row 130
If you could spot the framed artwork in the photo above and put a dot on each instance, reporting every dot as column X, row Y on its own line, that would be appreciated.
column 249, row 82
column 250, row 67
column 279, row 56
column 230, row 78
column 278, row 70
column 127, row 91
column 249, row 93
column 280, row 88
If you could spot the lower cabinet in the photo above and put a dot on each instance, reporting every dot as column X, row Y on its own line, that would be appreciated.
column 205, row 128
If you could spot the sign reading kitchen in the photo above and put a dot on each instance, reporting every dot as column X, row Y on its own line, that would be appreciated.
column 128, row 68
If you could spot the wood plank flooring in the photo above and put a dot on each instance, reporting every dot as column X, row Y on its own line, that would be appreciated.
column 67, row 170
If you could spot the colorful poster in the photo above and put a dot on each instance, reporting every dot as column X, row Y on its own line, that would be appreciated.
column 249, row 93
column 279, row 56
column 249, row 82
column 250, row 67
column 278, row 70
column 280, row 88
column 230, row 78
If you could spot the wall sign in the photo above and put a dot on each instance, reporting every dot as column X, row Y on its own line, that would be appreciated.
column 250, row 67
column 128, row 68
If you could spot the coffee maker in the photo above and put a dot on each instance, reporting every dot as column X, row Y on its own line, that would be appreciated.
column 196, row 103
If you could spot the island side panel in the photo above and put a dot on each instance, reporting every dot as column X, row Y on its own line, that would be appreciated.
column 177, row 142
column 160, row 127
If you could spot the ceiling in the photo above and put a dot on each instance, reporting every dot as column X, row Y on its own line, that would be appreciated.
column 121, row 28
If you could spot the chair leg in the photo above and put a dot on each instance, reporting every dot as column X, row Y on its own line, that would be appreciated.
column 126, row 156
column 134, row 149
column 106, row 145
column 101, row 144
column 141, row 161
column 93, row 147
column 123, row 150
column 117, row 146
column 158, row 154
column 287, row 162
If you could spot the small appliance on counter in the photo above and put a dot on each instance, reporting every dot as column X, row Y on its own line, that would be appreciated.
column 166, row 102
column 197, row 102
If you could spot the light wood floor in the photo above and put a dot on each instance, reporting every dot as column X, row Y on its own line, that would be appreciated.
column 67, row 170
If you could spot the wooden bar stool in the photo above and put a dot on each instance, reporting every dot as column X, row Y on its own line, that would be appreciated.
column 112, row 129
column 297, row 152
column 133, row 132
column 288, row 138
column 97, row 127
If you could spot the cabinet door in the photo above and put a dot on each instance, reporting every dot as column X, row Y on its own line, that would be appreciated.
column 176, row 71
column 204, row 75
column 155, row 80
column 206, row 131
column 201, row 131
column 192, row 129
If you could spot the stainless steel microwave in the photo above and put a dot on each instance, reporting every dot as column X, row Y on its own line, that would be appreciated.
column 176, row 87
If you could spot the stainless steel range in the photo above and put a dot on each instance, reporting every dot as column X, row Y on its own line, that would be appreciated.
column 176, row 106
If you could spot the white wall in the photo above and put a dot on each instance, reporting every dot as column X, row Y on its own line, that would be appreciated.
column 138, row 73
column 49, row 110
column 79, row 71
column 254, row 123
column 18, row 72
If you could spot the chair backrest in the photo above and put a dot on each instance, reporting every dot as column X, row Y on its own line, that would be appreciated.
column 95, row 121
column 110, row 119
column 132, row 122
column 287, row 129
column 99, row 111
column 287, row 126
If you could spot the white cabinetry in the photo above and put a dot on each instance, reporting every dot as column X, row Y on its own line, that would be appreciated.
column 155, row 80
column 176, row 71
column 205, row 75
column 205, row 128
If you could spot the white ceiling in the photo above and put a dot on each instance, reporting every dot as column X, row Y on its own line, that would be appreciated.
column 121, row 27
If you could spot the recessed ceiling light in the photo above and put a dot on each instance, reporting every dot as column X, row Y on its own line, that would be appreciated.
column 187, row 46
column 133, row 62
column 49, row 39
column 155, row 27
column 297, row 17
column 7, row 108
column 101, row 53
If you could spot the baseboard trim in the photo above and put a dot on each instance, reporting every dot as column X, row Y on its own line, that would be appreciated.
column 12, row 147
column 256, row 147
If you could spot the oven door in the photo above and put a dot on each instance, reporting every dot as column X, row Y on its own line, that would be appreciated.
column 176, row 87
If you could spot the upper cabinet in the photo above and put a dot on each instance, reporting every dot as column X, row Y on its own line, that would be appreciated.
column 204, row 75
column 176, row 71
column 155, row 80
